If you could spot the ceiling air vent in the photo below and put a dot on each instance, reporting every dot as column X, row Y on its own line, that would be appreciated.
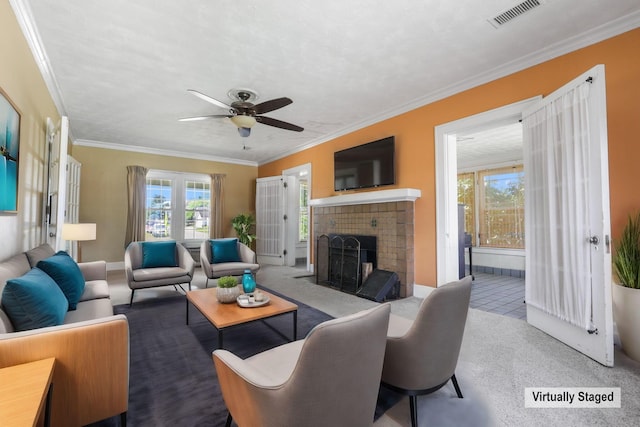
column 514, row 12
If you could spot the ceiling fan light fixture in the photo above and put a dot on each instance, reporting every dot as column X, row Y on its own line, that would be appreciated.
column 243, row 121
column 244, row 114
column 244, row 132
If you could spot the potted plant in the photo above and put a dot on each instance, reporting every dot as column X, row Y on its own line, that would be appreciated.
column 626, row 293
column 242, row 224
column 228, row 289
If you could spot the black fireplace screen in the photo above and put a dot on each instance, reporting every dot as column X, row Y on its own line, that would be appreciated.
column 339, row 260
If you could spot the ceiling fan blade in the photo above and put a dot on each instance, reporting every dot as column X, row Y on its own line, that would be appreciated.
column 209, row 99
column 274, row 104
column 278, row 123
column 213, row 116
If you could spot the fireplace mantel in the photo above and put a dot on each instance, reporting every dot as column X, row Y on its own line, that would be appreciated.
column 380, row 196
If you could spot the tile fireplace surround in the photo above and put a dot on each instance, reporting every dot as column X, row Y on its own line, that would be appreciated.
column 386, row 214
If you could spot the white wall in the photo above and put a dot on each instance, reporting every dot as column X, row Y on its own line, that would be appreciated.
column 497, row 258
column 9, row 234
column 22, row 82
column 301, row 250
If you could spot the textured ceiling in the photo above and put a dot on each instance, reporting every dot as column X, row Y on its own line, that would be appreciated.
column 496, row 146
column 120, row 69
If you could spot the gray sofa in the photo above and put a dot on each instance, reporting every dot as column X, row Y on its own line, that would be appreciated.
column 94, row 302
column 91, row 347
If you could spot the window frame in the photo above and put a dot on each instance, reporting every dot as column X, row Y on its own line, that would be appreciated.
column 479, row 203
column 178, row 199
column 303, row 208
column 470, row 208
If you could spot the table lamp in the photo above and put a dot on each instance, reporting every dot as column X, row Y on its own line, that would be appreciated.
column 79, row 232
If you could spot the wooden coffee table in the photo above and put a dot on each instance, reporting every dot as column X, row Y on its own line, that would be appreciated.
column 223, row 316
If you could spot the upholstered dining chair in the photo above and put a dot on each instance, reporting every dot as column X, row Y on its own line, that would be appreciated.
column 330, row 378
column 226, row 257
column 421, row 355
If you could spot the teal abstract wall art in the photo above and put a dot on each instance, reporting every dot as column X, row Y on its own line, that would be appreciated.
column 9, row 154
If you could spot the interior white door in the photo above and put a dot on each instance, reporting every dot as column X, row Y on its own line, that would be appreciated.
column 568, row 256
column 291, row 202
column 273, row 244
column 55, row 203
column 72, row 212
column 302, row 175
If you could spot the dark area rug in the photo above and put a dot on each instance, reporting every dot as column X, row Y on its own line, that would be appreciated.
column 172, row 379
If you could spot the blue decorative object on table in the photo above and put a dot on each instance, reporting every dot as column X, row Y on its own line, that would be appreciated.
column 248, row 282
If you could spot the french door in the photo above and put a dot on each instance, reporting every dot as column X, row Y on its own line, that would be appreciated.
column 55, row 202
column 275, row 220
column 568, row 250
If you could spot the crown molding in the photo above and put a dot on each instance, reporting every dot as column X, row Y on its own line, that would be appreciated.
column 587, row 38
column 160, row 152
column 32, row 36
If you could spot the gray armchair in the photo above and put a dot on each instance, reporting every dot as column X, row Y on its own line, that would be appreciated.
column 213, row 269
column 144, row 274
column 421, row 355
column 331, row 378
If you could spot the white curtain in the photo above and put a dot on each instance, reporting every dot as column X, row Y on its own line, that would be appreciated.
column 556, row 163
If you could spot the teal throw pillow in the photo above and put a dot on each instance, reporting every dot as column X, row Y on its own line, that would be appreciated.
column 34, row 301
column 224, row 250
column 159, row 254
column 66, row 273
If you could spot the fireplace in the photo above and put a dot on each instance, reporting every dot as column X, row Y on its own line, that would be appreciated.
column 344, row 257
column 387, row 215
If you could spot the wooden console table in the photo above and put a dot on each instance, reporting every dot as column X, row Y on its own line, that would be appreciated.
column 25, row 392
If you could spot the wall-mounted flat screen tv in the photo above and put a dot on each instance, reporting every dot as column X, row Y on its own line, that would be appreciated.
column 365, row 166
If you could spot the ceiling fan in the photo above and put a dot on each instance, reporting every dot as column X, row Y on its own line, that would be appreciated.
column 244, row 113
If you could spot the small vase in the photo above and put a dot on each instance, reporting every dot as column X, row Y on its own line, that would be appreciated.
column 228, row 295
column 248, row 282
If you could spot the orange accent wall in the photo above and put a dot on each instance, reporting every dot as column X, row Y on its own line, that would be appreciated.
column 414, row 132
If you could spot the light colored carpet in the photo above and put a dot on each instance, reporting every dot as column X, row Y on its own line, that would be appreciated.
column 500, row 356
